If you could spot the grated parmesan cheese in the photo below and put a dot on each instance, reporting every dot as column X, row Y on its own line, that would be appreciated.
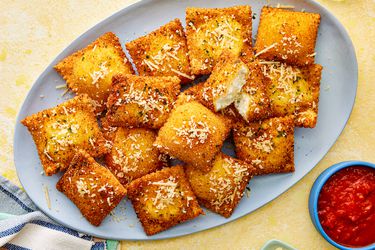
column 46, row 194
column 100, row 74
column 265, row 49
column 165, row 193
column 193, row 131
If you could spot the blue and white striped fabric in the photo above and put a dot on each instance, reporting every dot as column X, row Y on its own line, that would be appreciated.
column 22, row 226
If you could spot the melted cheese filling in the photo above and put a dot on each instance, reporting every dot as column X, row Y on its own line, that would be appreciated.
column 233, row 89
column 242, row 104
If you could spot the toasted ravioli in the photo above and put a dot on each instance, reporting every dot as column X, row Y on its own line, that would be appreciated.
column 90, row 70
column 209, row 32
column 268, row 145
column 141, row 101
column 294, row 91
column 193, row 134
column 253, row 102
column 203, row 94
column 60, row 131
column 287, row 36
column 222, row 188
column 91, row 187
column 133, row 154
column 163, row 52
column 226, row 80
column 163, row 199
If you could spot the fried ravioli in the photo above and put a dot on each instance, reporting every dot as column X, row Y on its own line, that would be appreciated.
column 210, row 32
column 162, row 52
column 222, row 188
column 226, row 80
column 193, row 134
column 91, row 187
column 294, row 91
column 163, row 199
column 253, row 102
column 141, row 101
column 268, row 145
column 133, row 154
column 58, row 132
column 287, row 36
column 90, row 70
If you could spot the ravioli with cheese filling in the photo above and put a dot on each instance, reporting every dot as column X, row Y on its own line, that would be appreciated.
column 203, row 94
column 226, row 80
column 253, row 102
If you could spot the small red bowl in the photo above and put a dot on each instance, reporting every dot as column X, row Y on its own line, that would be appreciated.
column 314, row 195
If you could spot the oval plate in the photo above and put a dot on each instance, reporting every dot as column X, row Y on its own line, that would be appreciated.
column 338, row 89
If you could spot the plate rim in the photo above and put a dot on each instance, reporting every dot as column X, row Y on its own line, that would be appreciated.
column 123, row 11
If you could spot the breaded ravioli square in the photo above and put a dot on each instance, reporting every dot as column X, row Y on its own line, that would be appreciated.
column 253, row 102
column 226, row 80
column 268, row 145
column 58, row 132
column 163, row 199
column 202, row 93
column 141, row 101
column 91, row 187
column 193, row 134
column 209, row 32
column 294, row 91
column 90, row 70
column 162, row 52
column 287, row 36
column 133, row 154
column 222, row 188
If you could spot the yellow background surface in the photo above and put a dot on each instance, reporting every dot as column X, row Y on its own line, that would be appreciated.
column 32, row 33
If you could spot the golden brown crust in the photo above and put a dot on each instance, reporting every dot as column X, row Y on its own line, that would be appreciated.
column 290, row 35
column 307, row 115
column 162, row 52
column 295, row 91
column 141, row 101
column 268, row 145
column 222, row 188
column 91, row 187
column 90, row 70
column 58, row 132
column 209, row 32
column 133, row 154
column 163, row 199
column 193, row 134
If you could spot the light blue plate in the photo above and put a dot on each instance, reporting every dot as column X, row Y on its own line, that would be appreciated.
column 334, row 51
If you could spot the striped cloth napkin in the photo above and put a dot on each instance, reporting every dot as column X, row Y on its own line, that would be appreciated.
column 22, row 226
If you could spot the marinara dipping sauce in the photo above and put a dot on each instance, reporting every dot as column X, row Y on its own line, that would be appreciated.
column 346, row 206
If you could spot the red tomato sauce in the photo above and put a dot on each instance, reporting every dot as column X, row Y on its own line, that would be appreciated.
column 346, row 206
